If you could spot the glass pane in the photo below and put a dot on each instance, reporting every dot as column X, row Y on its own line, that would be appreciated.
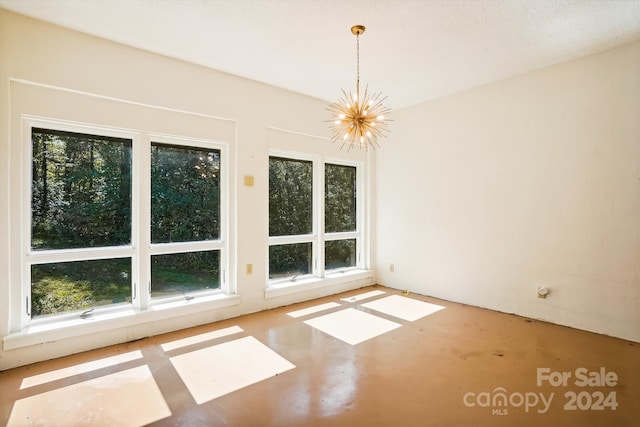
column 339, row 198
column 175, row 274
column 290, row 197
column 289, row 260
column 340, row 253
column 79, row 285
column 80, row 190
column 185, row 194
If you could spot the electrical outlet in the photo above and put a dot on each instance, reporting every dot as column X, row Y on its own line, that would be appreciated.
column 249, row 268
column 543, row 291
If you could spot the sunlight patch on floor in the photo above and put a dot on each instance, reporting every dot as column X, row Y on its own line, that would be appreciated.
column 215, row 371
column 403, row 308
column 129, row 398
column 352, row 326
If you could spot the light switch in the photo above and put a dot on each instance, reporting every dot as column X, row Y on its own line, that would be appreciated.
column 248, row 180
column 249, row 268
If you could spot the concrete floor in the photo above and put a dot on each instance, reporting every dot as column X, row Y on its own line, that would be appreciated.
column 340, row 361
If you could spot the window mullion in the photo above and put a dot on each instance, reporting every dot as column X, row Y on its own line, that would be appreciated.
column 142, row 223
column 68, row 255
column 225, row 229
column 283, row 240
column 361, row 218
column 319, row 198
column 182, row 247
column 342, row 235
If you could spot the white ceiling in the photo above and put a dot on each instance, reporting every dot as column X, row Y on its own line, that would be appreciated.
column 412, row 51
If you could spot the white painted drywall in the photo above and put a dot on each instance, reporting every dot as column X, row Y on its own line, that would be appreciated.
column 535, row 180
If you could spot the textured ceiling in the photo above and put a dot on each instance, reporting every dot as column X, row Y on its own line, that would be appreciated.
column 413, row 50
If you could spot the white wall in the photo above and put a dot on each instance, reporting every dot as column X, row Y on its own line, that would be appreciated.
column 535, row 180
column 50, row 71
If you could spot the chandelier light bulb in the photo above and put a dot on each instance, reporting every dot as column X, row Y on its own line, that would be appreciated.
column 355, row 117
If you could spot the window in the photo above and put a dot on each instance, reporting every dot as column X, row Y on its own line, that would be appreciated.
column 315, row 223
column 106, row 232
column 80, row 205
column 340, row 216
column 185, row 208
column 290, row 217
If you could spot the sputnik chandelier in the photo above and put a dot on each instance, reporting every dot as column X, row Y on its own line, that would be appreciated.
column 358, row 121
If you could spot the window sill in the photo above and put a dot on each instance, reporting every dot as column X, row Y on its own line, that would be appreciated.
column 54, row 331
column 335, row 278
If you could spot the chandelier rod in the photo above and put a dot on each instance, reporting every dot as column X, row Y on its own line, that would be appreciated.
column 357, row 30
column 358, row 65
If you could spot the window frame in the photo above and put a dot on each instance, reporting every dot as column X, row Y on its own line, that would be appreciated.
column 30, row 257
column 320, row 276
column 358, row 233
column 221, row 243
column 139, row 250
column 299, row 238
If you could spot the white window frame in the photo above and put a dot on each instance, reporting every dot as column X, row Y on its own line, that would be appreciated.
column 30, row 257
column 220, row 244
column 300, row 238
column 358, row 234
column 139, row 250
column 319, row 275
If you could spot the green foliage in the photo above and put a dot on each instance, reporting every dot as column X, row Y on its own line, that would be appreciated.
column 340, row 253
column 339, row 198
column 292, row 259
column 81, row 190
column 185, row 194
column 184, row 272
column 290, row 197
column 79, row 285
